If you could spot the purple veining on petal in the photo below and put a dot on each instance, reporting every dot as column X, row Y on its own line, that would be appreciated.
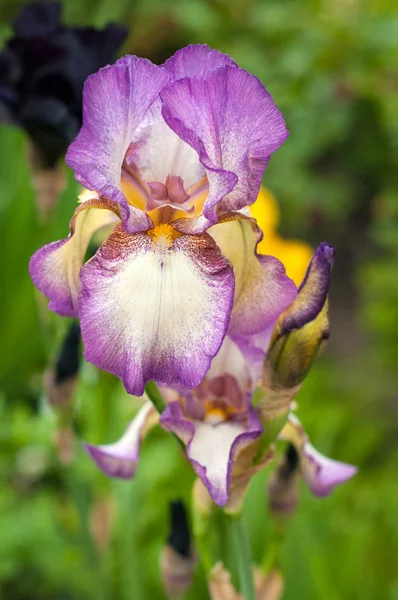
column 271, row 295
column 120, row 459
column 254, row 348
column 61, row 302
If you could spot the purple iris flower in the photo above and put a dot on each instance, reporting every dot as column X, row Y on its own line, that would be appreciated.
column 223, row 431
column 170, row 156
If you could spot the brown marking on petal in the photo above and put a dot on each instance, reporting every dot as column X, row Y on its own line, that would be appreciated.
column 246, row 465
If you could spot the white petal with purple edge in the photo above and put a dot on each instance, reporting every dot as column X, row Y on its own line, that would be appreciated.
column 155, row 309
column 212, row 449
column 120, row 459
column 115, row 102
column 158, row 152
column 233, row 124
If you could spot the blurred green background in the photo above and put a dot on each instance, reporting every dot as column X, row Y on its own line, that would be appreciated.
column 67, row 533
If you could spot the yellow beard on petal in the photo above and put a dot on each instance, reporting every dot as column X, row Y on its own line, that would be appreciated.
column 163, row 236
column 214, row 416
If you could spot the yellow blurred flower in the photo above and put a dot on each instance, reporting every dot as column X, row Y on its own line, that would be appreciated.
column 295, row 255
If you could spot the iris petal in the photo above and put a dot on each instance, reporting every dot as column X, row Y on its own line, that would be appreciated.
column 155, row 308
column 262, row 289
column 321, row 473
column 120, row 459
column 115, row 102
column 55, row 268
column 212, row 449
column 232, row 122
column 196, row 60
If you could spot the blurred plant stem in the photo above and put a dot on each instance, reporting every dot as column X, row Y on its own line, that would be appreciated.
column 154, row 395
column 242, row 555
column 272, row 555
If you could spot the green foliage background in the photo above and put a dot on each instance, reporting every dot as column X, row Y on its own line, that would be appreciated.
column 331, row 67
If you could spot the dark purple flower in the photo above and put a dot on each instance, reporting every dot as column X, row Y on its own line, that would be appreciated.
column 42, row 71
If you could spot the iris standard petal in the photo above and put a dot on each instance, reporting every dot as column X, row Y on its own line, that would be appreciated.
column 158, row 152
column 115, row 102
column 120, row 459
column 262, row 289
column 230, row 360
column 212, row 449
column 320, row 473
column 55, row 268
column 196, row 60
column 155, row 307
column 232, row 122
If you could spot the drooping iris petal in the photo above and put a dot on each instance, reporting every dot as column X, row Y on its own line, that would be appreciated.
column 120, row 459
column 262, row 289
column 321, row 473
column 155, row 308
column 196, row 60
column 55, row 268
column 115, row 102
column 212, row 449
column 232, row 122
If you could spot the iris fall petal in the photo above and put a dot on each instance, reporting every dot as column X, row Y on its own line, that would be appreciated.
column 120, row 459
column 55, row 268
column 150, row 311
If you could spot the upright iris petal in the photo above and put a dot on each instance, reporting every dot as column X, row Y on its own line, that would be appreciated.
column 168, row 151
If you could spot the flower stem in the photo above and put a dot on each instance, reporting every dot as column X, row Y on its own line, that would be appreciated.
column 243, row 558
column 152, row 391
column 154, row 395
